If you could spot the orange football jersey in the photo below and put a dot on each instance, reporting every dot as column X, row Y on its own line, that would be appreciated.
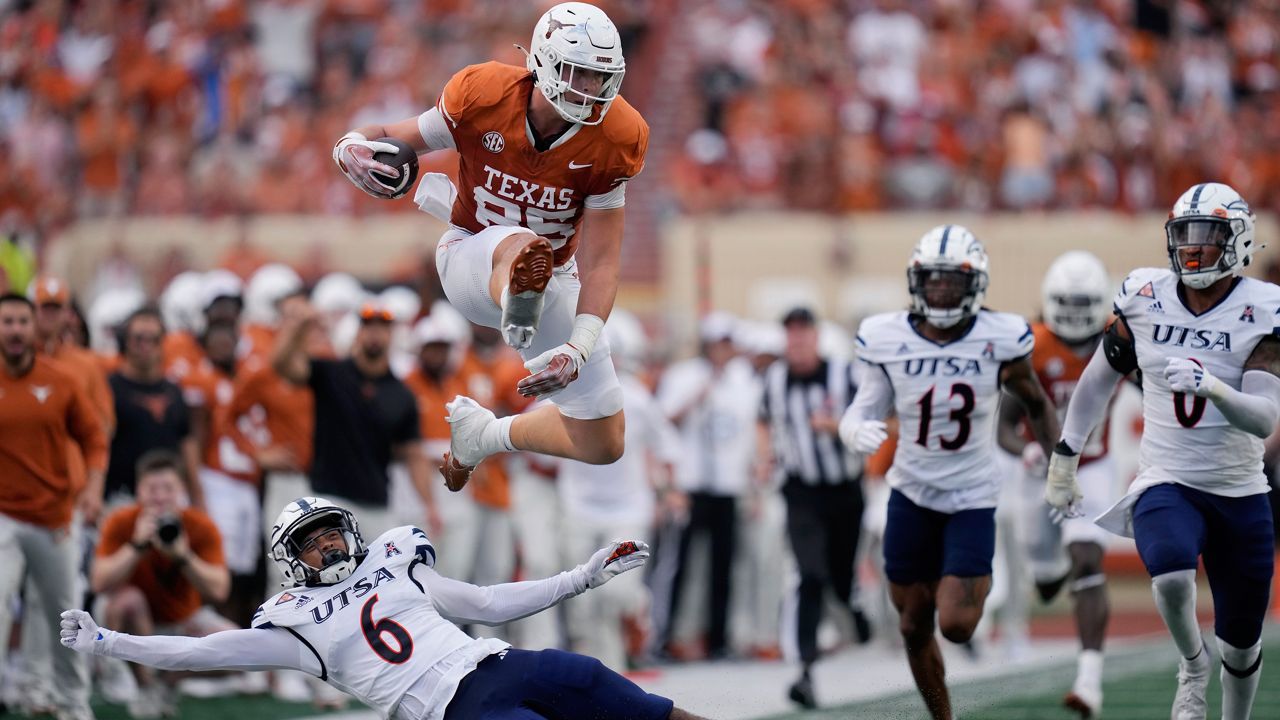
column 182, row 353
column 1059, row 369
column 504, row 180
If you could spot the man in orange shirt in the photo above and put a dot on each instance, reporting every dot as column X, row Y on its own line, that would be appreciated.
column 158, row 564
column 41, row 409
column 52, row 298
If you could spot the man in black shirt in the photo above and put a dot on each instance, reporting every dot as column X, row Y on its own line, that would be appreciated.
column 364, row 417
column 805, row 395
column 150, row 411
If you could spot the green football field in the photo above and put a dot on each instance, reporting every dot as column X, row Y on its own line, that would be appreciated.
column 1139, row 686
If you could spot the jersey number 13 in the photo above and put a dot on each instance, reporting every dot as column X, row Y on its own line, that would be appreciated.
column 959, row 415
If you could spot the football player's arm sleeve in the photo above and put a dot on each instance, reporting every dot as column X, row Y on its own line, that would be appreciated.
column 615, row 198
column 465, row 603
column 1090, row 400
column 263, row 649
column 1255, row 407
column 435, row 131
column 875, row 395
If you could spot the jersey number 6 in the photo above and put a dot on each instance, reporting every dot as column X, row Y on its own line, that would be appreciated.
column 374, row 630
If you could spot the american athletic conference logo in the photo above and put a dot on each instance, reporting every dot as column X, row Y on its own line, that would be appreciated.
column 493, row 142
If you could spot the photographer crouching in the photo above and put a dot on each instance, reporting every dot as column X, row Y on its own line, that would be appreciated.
column 159, row 563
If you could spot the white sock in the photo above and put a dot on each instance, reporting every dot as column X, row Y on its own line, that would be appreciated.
column 1238, row 692
column 1089, row 667
column 1175, row 595
column 496, row 436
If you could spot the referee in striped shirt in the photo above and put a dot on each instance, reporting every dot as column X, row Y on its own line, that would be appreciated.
column 805, row 395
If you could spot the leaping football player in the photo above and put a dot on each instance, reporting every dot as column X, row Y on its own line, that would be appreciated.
column 941, row 366
column 376, row 622
column 535, row 236
column 1204, row 339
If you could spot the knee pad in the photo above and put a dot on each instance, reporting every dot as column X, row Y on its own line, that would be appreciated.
column 1240, row 662
column 1175, row 587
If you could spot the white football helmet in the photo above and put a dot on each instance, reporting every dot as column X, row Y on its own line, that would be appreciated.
column 269, row 284
column 220, row 283
column 337, row 293
column 1211, row 214
column 627, row 340
column 180, row 302
column 287, row 542
column 403, row 302
column 107, row 312
column 948, row 253
column 1076, row 293
column 570, row 40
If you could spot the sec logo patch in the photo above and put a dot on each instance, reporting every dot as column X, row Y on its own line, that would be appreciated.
column 493, row 142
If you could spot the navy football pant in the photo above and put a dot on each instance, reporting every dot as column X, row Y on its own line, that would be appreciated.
column 1174, row 525
column 550, row 685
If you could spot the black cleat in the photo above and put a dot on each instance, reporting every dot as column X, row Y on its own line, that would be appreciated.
column 801, row 693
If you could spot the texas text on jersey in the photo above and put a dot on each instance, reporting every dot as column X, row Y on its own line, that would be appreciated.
column 505, row 179
column 945, row 397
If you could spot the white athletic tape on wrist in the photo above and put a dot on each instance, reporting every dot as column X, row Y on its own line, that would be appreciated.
column 586, row 331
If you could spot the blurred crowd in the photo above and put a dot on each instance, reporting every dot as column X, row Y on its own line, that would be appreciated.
column 217, row 107
column 980, row 104
column 231, row 107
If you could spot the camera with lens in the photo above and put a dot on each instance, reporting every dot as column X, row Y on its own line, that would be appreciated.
column 168, row 529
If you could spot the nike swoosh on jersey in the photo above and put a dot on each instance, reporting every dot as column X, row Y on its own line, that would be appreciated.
column 575, row 166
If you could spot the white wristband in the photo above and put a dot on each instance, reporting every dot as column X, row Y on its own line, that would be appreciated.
column 586, row 331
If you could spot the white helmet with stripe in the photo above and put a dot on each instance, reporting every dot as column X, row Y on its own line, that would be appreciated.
column 947, row 276
column 576, row 60
column 1210, row 214
column 1077, row 296
column 288, row 541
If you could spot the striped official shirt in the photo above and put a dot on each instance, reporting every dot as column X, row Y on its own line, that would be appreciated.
column 790, row 402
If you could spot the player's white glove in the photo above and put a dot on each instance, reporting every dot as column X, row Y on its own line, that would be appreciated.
column 862, row 436
column 1061, row 490
column 1189, row 376
column 1033, row 459
column 354, row 157
column 80, row 633
column 552, row 371
column 610, row 561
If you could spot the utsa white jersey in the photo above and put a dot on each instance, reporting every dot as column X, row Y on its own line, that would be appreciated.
column 1186, row 439
column 946, row 398
column 377, row 634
